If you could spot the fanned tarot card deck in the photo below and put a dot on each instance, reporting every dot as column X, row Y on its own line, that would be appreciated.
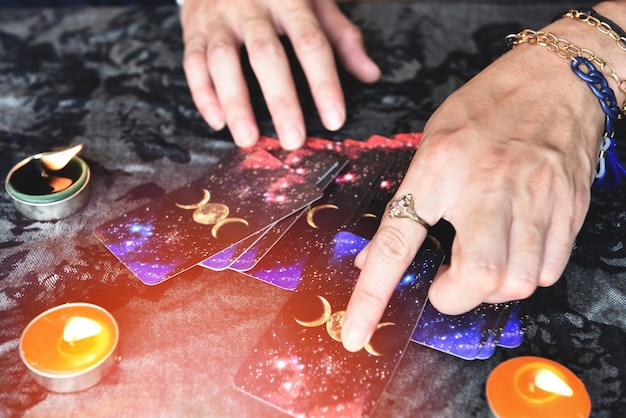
column 296, row 219
column 243, row 194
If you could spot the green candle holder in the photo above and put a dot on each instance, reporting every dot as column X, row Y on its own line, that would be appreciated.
column 35, row 199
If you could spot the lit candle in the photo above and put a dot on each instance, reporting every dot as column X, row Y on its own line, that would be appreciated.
column 49, row 186
column 536, row 387
column 70, row 347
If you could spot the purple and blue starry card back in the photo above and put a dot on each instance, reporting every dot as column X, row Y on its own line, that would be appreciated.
column 320, row 167
column 353, row 187
column 300, row 366
column 343, row 200
column 244, row 193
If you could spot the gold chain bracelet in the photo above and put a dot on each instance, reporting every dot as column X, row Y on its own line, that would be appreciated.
column 603, row 27
column 567, row 50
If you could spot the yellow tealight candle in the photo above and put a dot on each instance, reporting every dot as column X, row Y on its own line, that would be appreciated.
column 70, row 347
column 536, row 387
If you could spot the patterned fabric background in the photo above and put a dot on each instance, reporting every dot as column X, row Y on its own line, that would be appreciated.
column 111, row 78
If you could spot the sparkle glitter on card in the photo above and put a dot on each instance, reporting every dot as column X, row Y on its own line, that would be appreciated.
column 300, row 366
column 244, row 193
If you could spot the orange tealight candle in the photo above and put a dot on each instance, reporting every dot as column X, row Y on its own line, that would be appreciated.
column 70, row 347
column 536, row 387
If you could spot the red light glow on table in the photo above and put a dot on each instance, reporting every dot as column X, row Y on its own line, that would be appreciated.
column 70, row 347
column 536, row 387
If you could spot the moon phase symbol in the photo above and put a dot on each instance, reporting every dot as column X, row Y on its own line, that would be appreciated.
column 216, row 228
column 206, row 196
column 369, row 346
column 327, row 310
column 310, row 214
column 334, row 323
column 211, row 213
column 369, row 215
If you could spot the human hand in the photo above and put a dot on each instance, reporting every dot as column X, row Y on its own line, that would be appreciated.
column 215, row 30
column 508, row 160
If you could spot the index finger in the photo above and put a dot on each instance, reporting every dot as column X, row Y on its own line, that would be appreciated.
column 388, row 256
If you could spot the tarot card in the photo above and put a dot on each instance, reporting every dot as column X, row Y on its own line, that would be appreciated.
column 459, row 335
column 318, row 167
column 513, row 331
column 509, row 332
column 493, row 334
column 244, row 193
column 223, row 259
column 342, row 201
column 300, row 366
column 249, row 258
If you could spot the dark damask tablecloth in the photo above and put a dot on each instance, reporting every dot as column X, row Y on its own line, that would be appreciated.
column 111, row 78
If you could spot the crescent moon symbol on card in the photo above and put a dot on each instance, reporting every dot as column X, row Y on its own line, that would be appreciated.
column 216, row 228
column 310, row 214
column 368, row 346
column 334, row 323
column 369, row 215
column 319, row 320
column 206, row 196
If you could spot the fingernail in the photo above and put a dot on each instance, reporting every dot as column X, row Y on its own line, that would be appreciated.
column 292, row 136
column 244, row 133
column 334, row 117
column 216, row 122
column 354, row 335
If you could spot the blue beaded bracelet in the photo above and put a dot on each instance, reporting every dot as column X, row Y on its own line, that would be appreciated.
column 609, row 171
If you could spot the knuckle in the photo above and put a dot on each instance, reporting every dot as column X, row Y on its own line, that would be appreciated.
column 218, row 50
column 548, row 278
column 282, row 107
column 351, row 33
column 485, row 278
column 518, row 289
column 441, row 148
column 194, row 61
column 393, row 245
column 325, row 87
column 370, row 298
column 194, row 53
column 265, row 48
column 309, row 40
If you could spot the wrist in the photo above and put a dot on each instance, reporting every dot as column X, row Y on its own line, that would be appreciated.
column 595, row 35
column 591, row 72
column 598, row 47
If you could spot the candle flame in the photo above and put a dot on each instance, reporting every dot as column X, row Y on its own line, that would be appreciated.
column 548, row 381
column 59, row 183
column 57, row 160
column 78, row 328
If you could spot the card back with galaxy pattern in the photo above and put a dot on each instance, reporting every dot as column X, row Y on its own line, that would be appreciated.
column 343, row 201
column 318, row 167
column 464, row 335
column 300, row 366
column 476, row 334
column 244, row 193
